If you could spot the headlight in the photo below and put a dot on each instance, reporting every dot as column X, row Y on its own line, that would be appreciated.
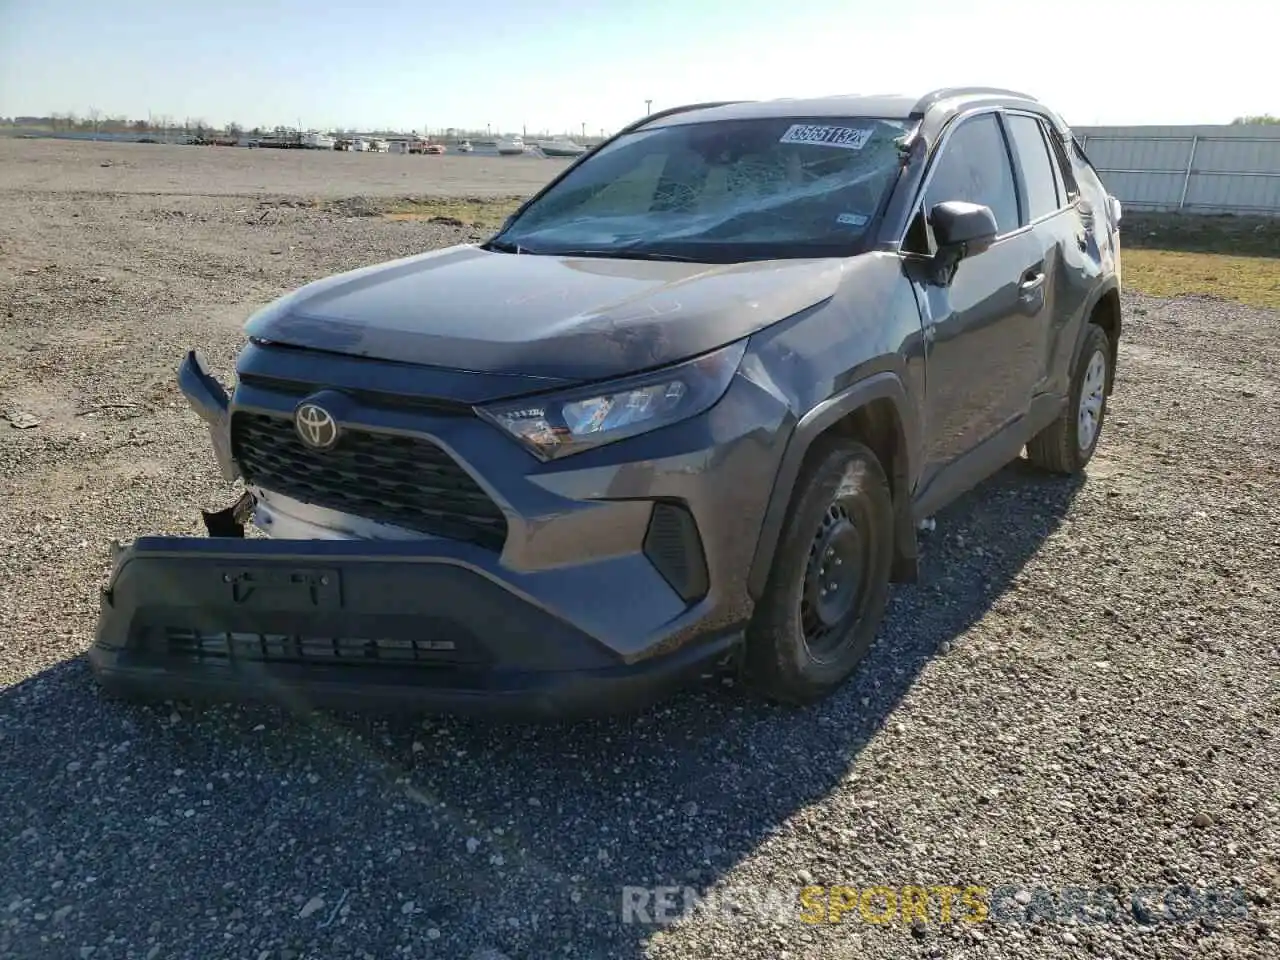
column 564, row 423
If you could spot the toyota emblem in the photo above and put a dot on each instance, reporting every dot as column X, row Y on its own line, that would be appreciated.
column 316, row 426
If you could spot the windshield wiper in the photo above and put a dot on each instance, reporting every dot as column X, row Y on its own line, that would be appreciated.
column 505, row 246
column 648, row 255
column 626, row 253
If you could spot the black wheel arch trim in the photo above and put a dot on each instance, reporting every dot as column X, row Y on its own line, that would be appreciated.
column 886, row 385
column 1108, row 286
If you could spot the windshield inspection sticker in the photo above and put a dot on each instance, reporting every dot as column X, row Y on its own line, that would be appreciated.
column 852, row 219
column 846, row 138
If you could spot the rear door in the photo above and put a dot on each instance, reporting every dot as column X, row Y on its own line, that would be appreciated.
column 1065, row 244
column 980, row 327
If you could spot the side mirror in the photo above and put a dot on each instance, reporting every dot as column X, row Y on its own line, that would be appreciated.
column 1115, row 209
column 962, row 229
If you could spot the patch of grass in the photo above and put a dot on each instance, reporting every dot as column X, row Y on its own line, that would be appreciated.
column 1254, row 280
column 1234, row 257
column 483, row 212
column 1201, row 233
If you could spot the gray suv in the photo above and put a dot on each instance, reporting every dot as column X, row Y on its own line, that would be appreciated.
column 685, row 410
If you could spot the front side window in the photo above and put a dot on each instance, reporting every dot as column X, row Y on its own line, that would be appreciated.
column 720, row 191
column 1033, row 159
column 975, row 167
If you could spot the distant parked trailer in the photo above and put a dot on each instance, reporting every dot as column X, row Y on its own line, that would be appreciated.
column 278, row 143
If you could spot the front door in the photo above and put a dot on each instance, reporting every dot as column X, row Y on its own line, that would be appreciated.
column 983, row 330
column 1072, row 254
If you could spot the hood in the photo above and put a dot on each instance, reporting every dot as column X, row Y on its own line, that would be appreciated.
column 558, row 318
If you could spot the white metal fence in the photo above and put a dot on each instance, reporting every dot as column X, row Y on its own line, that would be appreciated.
column 1206, row 169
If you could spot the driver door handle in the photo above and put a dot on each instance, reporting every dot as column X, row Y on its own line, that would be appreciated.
column 1032, row 280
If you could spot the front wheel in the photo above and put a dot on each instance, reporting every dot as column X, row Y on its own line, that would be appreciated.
column 1067, row 444
column 830, row 578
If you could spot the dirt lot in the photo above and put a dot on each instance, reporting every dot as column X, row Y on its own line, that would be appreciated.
column 64, row 166
column 1084, row 691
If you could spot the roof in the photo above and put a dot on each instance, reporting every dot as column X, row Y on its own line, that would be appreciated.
column 890, row 107
column 885, row 106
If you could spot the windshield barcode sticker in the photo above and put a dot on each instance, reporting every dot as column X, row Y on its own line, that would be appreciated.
column 846, row 138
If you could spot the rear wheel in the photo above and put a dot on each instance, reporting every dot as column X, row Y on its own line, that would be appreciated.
column 1067, row 444
column 830, row 578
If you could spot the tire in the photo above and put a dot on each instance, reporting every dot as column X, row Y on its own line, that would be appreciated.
column 1067, row 444
column 842, row 503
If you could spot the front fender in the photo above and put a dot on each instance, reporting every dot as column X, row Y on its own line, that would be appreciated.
column 886, row 385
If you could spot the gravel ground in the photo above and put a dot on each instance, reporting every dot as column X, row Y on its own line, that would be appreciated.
column 1082, row 691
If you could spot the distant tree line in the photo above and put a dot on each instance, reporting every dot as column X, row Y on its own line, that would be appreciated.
column 94, row 121
column 1260, row 119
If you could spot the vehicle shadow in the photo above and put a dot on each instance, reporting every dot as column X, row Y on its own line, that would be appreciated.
column 213, row 832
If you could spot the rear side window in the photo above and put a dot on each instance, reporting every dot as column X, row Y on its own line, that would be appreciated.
column 1066, row 167
column 1034, row 161
column 1063, row 197
column 975, row 167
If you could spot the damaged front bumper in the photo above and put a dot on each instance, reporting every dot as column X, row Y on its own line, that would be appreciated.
column 350, row 624
column 585, row 608
column 210, row 401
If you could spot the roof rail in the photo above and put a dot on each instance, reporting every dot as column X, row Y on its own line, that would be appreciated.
column 671, row 111
column 929, row 99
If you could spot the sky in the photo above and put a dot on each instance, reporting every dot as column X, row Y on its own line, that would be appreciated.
column 569, row 65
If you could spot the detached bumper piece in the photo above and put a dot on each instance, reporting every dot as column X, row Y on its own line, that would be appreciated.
column 355, row 625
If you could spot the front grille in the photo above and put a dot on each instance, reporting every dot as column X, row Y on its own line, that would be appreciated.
column 230, row 648
column 406, row 481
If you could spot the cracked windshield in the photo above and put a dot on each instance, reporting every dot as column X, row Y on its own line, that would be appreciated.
column 730, row 190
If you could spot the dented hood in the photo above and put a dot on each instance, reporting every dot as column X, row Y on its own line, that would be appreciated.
column 560, row 318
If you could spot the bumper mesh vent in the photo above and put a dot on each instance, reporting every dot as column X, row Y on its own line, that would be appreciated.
column 674, row 548
column 230, row 648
